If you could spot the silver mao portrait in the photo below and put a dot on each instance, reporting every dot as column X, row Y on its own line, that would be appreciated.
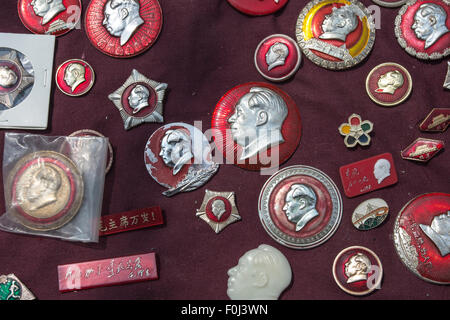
column 138, row 98
column 47, row 9
column 122, row 18
column 276, row 55
column 381, row 170
column 257, row 121
column 176, row 149
column 339, row 23
column 300, row 205
column 439, row 232
column 74, row 75
column 8, row 77
column 261, row 274
column 218, row 208
column 357, row 268
column 430, row 23
column 389, row 82
column 43, row 188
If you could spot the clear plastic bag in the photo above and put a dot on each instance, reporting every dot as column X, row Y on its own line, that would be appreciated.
column 54, row 185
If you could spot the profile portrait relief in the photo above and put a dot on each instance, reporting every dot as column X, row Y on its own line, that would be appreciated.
column 257, row 121
column 276, row 55
column 381, row 170
column 47, row 9
column 261, row 274
column 74, row 75
column 339, row 23
column 176, row 149
column 300, row 205
column 357, row 268
column 439, row 232
column 389, row 82
column 430, row 23
column 138, row 98
column 218, row 208
column 122, row 18
column 43, row 188
column 8, row 77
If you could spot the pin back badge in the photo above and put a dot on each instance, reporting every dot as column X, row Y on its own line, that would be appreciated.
column 370, row 214
column 437, row 120
column 11, row 288
column 422, row 149
column 356, row 131
column 257, row 7
column 75, row 77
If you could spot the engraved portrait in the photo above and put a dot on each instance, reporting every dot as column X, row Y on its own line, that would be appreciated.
column 122, row 18
column 439, row 232
column 74, row 75
column 8, row 77
column 47, row 9
column 138, row 98
column 430, row 23
column 218, row 208
column 382, row 170
column 176, row 149
column 389, row 82
column 276, row 55
column 339, row 23
column 357, row 268
column 257, row 121
column 43, row 188
column 300, row 205
column 261, row 274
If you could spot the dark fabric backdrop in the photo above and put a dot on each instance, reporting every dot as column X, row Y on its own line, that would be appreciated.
column 206, row 48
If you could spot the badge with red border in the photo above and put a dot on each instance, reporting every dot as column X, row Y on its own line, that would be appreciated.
column 178, row 157
column 75, row 77
column 437, row 120
column 422, row 28
column 421, row 236
column 422, row 149
column 123, row 29
column 49, row 17
column 257, row 7
column 256, row 126
column 335, row 34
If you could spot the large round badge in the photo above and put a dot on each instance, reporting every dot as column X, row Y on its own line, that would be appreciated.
column 335, row 34
column 422, row 236
column 123, row 28
column 178, row 157
column 388, row 84
column 300, row 207
column 44, row 190
column 258, row 7
column 422, row 28
column 256, row 125
column 75, row 77
column 277, row 57
column 55, row 17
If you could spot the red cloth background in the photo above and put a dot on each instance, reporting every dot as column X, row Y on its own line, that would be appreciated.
column 205, row 48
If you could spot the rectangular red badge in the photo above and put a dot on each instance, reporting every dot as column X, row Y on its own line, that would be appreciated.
column 100, row 273
column 130, row 220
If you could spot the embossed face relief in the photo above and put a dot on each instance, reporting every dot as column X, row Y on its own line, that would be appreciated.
column 430, row 23
column 389, row 82
column 74, row 75
column 8, row 77
column 276, row 55
column 43, row 188
column 47, row 9
column 357, row 268
column 218, row 208
column 138, row 98
column 300, row 205
column 339, row 23
column 439, row 232
column 381, row 170
column 176, row 149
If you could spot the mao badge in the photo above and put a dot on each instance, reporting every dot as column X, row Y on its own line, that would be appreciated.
column 139, row 100
column 422, row 28
column 335, row 34
column 258, row 7
column 75, row 77
column 422, row 149
column 123, row 28
column 218, row 210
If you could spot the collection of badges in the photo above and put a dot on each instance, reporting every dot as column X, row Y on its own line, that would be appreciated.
column 299, row 206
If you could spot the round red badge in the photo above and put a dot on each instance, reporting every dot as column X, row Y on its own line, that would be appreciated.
column 256, row 125
column 55, row 17
column 422, row 28
column 388, row 84
column 258, row 7
column 123, row 29
column 277, row 57
column 422, row 236
column 75, row 77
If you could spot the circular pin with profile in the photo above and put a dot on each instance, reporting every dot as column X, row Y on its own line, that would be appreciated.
column 258, row 7
column 75, row 77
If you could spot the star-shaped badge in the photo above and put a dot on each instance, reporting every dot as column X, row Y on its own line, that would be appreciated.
column 218, row 210
column 139, row 100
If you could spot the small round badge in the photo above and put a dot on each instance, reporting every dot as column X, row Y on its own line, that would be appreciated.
column 75, row 77
column 300, row 207
column 422, row 28
column 277, row 57
column 123, row 29
column 336, row 34
column 388, row 84
column 357, row 270
column 56, row 17
column 258, row 7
